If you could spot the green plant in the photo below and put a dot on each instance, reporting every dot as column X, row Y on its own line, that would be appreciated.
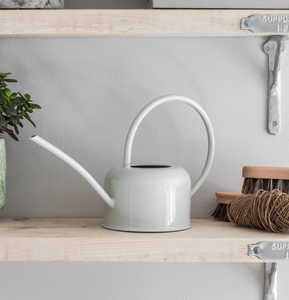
column 14, row 107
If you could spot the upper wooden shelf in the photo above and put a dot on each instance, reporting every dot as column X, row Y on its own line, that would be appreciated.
column 140, row 22
column 85, row 240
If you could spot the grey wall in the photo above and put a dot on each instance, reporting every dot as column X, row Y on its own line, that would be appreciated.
column 90, row 90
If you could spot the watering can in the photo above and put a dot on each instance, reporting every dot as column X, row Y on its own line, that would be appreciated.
column 146, row 198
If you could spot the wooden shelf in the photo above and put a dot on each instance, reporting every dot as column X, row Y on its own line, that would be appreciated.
column 142, row 22
column 85, row 240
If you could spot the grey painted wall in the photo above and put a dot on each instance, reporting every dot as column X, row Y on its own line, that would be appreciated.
column 90, row 90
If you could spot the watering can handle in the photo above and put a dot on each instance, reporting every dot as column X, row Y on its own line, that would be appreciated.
column 201, row 112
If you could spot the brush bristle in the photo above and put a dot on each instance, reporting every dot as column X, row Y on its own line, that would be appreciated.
column 253, row 185
column 220, row 213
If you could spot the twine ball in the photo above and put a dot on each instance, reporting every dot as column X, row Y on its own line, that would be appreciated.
column 262, row 210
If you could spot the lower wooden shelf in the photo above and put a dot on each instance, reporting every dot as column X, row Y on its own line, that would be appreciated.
column 128, row 22
column 85, row 240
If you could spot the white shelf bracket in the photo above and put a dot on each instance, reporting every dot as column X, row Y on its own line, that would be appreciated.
column 271, row 272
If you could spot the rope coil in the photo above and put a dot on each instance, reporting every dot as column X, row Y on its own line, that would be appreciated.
column 263, row 210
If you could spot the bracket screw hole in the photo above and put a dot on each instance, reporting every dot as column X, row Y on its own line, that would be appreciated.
column 274, row 123
column 256, row 250
column 248, row 23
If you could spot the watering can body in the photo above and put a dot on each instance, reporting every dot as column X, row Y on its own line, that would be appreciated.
column 146, row 198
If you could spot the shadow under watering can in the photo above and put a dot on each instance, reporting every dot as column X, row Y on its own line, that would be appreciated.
column 146, row 198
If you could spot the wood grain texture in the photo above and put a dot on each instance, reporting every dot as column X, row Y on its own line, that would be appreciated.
column 85, row 240
column 265, row 172
column 226, row 198
column 138, row 22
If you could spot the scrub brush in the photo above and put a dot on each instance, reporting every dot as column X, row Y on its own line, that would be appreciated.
column 265, row 178
column 255, row 179
column 223, row 199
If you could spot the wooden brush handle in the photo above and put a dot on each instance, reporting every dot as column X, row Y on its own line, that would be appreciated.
column 266, row 173
column 226, row 198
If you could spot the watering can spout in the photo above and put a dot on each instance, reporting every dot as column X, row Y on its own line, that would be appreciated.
column 76, row 166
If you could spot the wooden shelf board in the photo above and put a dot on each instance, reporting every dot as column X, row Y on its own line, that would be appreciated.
column 133, row 22
column 85, row 240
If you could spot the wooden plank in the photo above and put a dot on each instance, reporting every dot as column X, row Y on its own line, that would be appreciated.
column 85, row 240
column 148, row 22
column 265, row 172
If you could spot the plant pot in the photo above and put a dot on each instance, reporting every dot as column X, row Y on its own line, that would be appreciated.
column 2, row 174
column 31, row 3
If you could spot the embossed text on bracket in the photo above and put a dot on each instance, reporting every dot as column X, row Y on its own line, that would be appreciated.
column 278, row 24
column 269, row 250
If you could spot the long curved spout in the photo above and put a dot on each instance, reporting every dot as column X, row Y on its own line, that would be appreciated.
column 76, row 166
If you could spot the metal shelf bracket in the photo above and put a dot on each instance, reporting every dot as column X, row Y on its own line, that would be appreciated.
column 271, row 272
column 270, row 250
column 274, row 47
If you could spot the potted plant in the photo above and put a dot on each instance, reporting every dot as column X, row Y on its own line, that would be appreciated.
column 14, row 108
column 31, row 4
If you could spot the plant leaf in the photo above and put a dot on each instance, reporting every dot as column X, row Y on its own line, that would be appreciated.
column 5, row 129
column 16, row 101
column 23, row 99
column 16, row 128
column 13, row 111
column 4, row 96
column 10, row 104
column 10, row 132
column 10, row 80
column 7, row 111
column 27, row 96
column 28, row 118
column 7, row 92
column 14, row 137
column 35, row 106
column 2, row 120
column 2, row 101
column 28, row 109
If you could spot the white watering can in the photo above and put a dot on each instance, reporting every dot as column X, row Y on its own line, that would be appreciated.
column 146, row 198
